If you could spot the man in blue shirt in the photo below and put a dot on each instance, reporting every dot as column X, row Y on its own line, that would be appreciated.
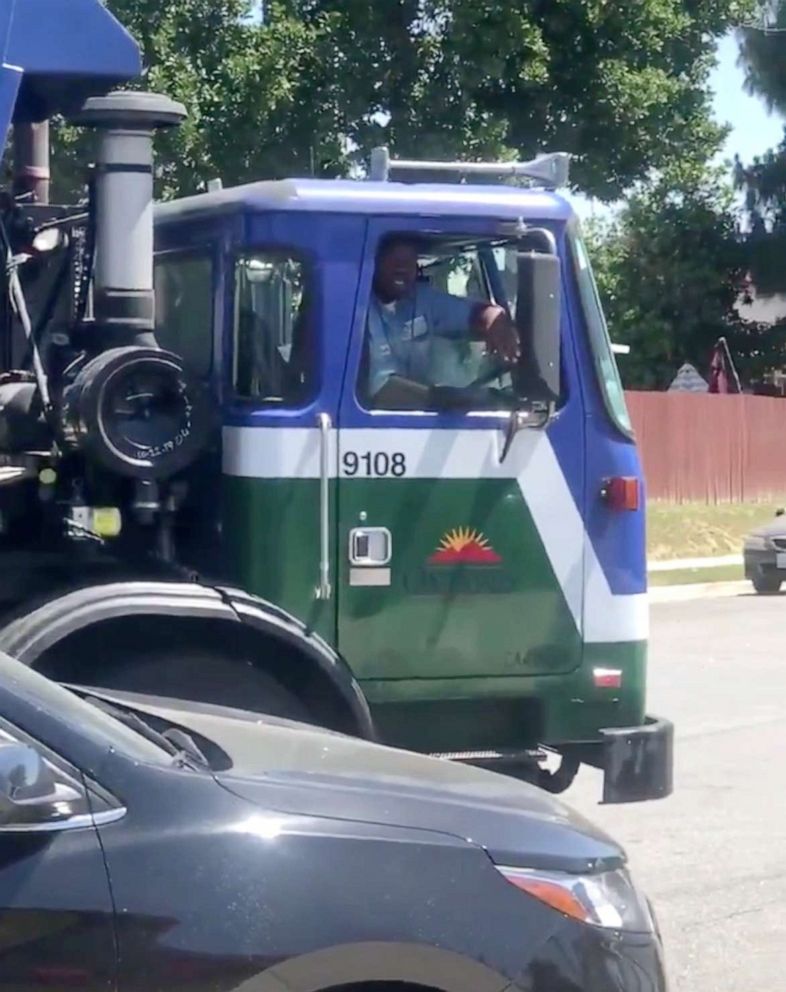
column 406, row 316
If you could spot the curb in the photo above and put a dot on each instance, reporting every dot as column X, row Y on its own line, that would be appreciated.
column 678, row 564
column 698, row 590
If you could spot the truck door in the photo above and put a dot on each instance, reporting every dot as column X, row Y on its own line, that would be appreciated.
column 290, row 309
column 456, row 559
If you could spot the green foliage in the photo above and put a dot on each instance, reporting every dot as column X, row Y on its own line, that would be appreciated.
column 314, row 84
column 764, row 183
column 761, row 52
column 237, row 79
column 764, row 180
column 671, row 268
column 621, row 86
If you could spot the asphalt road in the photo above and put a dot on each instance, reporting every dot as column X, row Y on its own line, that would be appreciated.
column 713, row 856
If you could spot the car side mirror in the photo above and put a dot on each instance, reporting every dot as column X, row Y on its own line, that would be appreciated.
column 780, row 511
column 538, row 318
column 29, row 790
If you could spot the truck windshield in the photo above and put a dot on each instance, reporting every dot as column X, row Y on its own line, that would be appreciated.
column 598, row 334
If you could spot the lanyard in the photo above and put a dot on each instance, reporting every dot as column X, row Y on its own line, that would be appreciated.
column 403, row 359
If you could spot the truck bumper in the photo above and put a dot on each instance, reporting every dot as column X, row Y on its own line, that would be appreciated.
column 638, row 762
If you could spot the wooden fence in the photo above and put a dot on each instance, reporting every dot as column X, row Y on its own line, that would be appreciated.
column 711, row 448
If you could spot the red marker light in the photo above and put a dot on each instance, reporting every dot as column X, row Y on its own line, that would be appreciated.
column 621, row 492
column 607, row 678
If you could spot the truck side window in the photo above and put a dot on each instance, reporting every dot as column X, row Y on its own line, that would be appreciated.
column 184, row 307
column 419, row 322
column 273, row 359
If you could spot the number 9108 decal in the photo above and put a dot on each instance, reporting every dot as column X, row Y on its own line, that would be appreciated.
column 374, row 464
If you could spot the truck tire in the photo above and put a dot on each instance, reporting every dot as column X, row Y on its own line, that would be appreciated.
column 766, row 584
column 202, row 676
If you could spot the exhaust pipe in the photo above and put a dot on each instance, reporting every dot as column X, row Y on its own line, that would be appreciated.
column 31, row 161
column 166, row 414
column 123, row 301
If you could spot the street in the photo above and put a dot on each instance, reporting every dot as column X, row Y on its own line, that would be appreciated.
column 713, row 856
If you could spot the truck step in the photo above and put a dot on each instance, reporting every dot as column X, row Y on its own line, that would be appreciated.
column 497, row 757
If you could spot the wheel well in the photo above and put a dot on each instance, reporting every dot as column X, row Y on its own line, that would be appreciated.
column 385, row 966
column 382, row 987
column 81, row 657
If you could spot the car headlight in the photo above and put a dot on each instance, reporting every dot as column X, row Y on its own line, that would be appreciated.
column 755, row 544
column 608, row 900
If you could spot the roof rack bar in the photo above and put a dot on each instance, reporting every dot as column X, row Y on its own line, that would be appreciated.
column 553, row 169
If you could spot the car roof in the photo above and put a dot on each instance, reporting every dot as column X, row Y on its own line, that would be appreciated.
column 371, row 198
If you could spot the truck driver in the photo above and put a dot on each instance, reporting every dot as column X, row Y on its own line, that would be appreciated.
column 405, row 314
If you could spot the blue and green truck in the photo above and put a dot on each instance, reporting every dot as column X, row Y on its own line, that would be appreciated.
column 200, row 498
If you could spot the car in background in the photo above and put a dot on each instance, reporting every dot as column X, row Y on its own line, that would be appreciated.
column 149, row 843
column 764, row 554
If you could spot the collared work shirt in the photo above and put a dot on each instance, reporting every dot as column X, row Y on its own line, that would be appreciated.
column 401, row 334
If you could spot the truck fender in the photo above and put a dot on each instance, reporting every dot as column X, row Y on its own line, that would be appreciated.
column 28, row 636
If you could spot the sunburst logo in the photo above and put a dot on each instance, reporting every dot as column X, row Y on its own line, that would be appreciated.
column 466, row 546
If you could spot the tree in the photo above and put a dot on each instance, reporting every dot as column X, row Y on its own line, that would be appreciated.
column 764, row 180
column 621, row 86
column 311, row 85
column 761, row 52
column 671, row 269
column 236, row 78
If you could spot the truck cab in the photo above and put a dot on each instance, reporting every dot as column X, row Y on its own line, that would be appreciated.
column 475, row 552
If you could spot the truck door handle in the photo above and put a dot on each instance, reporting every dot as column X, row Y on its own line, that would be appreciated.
column 323, row 590
column 370, row 546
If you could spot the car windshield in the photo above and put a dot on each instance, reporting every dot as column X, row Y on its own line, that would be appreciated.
column 97, row 722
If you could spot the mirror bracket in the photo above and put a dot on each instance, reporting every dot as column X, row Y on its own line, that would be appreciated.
column 537, row 417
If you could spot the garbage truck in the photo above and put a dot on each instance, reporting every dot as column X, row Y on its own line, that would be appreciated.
column 212, row 489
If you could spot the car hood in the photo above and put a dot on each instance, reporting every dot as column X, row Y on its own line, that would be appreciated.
column 775, row 528
column 298, row 769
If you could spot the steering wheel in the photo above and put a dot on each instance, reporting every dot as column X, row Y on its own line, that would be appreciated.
column 475, row 395
column 498, row 368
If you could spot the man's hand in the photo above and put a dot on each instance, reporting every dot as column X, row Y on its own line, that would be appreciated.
column 493, row 325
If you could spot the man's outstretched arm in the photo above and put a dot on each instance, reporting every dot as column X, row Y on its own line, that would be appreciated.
column 457, row 316
column 491, row 324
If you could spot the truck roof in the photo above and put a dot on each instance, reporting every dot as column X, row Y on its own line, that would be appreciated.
column 363, row 197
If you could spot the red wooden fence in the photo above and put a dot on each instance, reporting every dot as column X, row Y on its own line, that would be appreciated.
column 711, row 448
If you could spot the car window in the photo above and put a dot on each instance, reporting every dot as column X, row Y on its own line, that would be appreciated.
column 60, row 797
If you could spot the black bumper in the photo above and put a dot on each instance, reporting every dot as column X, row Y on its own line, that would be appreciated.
column 638, row 762
column 764, row 562
column 578, row 959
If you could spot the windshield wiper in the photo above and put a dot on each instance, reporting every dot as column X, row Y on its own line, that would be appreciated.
column 180, row 745
column 186, row 744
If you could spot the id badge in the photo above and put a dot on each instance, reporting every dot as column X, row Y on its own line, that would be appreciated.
column 416, row 328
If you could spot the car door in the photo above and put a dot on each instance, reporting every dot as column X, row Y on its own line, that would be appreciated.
column 56, row 915
column 458, row 558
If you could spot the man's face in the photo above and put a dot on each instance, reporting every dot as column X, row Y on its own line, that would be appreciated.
column 396, row 272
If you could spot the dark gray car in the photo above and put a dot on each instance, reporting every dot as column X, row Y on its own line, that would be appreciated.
column 147, row 844
column 765, row 555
